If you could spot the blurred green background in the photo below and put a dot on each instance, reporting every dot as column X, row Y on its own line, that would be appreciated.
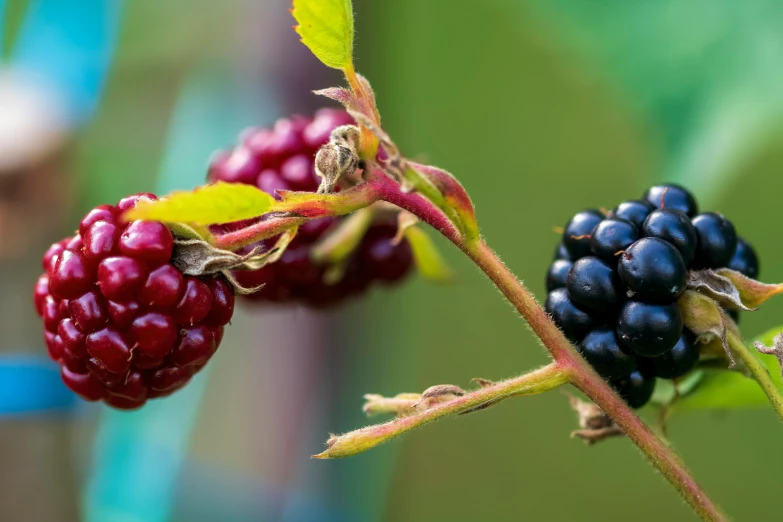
column 540, row 109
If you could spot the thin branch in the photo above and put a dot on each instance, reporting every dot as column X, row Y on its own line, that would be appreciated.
column 538, row 381
column 586, row 379
column 759, row 372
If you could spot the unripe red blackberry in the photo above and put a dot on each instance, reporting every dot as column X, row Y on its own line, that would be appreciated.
column 281, row 158
column 123, row 323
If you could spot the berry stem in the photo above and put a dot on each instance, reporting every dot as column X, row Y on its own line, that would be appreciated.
column 588, row 381
column 532, row 383
column 256, row 232
column 581, row 373
column 759, row 372
column 295, row 208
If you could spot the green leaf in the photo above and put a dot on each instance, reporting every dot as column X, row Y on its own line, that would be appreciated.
column 723, row 389
column 326, row 27
column 211, row 204
column 447, row 193
column 429, row 262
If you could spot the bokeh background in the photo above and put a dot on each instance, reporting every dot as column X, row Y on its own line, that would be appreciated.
column 540, row 107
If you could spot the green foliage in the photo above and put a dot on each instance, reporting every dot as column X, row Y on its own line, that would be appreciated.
column 714, row 388
column 428, row 259
column 211, row 204
column 726, row 389
column 326, row 27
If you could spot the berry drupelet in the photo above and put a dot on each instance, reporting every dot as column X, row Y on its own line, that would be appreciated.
column 281, row 158
column 122, row 322
column 616, row 278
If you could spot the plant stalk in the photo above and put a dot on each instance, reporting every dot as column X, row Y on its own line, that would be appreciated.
column 378, row 186
column 537, row 381
column 759, row 372
column 581, row 373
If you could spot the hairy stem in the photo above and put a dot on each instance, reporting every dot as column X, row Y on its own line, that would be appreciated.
column 582, row 374
column 759, row 372
column 586, row 379
column 296, row 208
column 379, row 186
column 537, row 381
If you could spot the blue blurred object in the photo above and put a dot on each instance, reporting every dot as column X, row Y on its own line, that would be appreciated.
column 69, row 47
column 31, row 385
column 145, row 450
column 208, row 494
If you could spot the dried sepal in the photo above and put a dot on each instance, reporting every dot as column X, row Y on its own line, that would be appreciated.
column 776, row 349
column 718, row 287
column 197, row 257
column 703, row 316
column 752, row 293
column 595, row 425
column 337, row 158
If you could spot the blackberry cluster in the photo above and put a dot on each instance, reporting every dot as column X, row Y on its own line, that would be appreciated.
column 123, row 323
column 615, row 280
column 282, row 158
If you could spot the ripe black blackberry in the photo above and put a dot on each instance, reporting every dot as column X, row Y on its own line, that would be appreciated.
column 281, row 158
column 122, row 322
column 616, row 278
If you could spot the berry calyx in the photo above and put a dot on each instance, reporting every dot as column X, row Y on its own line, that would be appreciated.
column 123, row 323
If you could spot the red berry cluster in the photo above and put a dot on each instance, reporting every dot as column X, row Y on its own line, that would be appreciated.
column 281, row 158
column 124, row 324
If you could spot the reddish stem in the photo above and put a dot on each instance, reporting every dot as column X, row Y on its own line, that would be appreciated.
column 381, row 187
column 581, row 373
column 256, row 232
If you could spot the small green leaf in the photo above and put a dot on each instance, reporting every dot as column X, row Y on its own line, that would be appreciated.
column 726, row 389
column 447, row 193
column 207, row 205
column 429, row 262
column 339, row 243
column 326, row 27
